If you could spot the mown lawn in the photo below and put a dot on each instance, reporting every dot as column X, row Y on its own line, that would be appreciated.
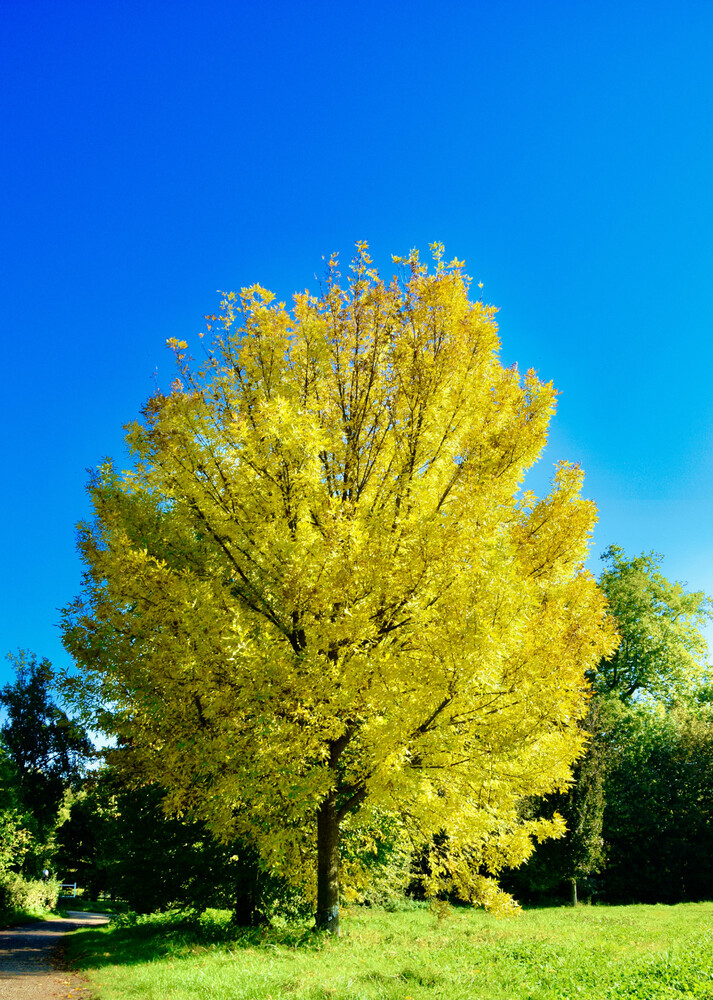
column 607, row 953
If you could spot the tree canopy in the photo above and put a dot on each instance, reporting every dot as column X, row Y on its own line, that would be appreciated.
column 662, row 650
column 321, row 597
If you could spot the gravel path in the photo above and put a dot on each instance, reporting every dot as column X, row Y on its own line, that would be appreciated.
column 26, row 969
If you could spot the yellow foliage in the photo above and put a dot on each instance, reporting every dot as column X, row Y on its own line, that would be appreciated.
column 321, row 583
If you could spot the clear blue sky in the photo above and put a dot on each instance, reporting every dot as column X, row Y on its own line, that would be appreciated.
column 157, row 151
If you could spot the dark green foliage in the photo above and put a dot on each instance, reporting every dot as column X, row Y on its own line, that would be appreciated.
column 657, row 821
column 155, row 862
column 118, row 841
column 79, row 854
column 659, row 817
column 638, row 815
column 422, row 862
column 47, row 749
column 657, row 833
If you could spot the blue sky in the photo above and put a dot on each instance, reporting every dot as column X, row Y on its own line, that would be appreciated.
column 156, row 152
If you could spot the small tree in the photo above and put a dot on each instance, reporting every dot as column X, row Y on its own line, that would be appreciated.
column 320, row 592
column 580, row 852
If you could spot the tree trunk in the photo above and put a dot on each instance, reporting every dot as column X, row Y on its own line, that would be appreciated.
column 246, row 911
column 328, row 866
column 247, row 897
column 574, row 891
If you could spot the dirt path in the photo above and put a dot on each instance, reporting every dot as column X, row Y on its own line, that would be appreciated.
column 26, row 969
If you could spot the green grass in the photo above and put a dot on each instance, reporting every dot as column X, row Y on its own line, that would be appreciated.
column 591, row 953
column 16, row 918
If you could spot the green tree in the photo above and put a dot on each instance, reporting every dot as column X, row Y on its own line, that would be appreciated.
column 118, row 840
column 319, row 596
column 658, row 821
column 559, row 865
column 17, row 837
column 662, row 650
column 660, row 658
column 652, row 822
column 47, row 748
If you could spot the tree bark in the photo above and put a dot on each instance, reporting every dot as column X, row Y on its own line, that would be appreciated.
column 574, row 891
column 327, row 918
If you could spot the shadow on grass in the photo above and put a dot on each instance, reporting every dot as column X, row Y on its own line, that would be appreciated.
column 161, row 936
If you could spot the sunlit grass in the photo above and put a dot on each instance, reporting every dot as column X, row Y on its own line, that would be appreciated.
column 16, row 918
column 607, row 953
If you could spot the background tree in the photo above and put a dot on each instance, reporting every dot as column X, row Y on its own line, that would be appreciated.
column 40, row 756
column 659, row 817
column 659, row 777
column 559, row 865
column 633, row 797
column 320, row 593
column 119, row 841
column 18, row 840
column 662, row 650
column 47, row 749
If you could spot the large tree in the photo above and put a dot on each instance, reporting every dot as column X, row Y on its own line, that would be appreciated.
column 320, row 594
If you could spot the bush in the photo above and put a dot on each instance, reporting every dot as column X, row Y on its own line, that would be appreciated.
column 18, row 893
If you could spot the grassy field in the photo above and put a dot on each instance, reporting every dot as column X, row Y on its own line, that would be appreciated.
column 607, row 953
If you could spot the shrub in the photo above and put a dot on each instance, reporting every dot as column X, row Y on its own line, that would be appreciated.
column 18, row 893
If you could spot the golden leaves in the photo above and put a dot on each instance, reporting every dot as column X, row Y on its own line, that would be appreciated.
column 323, row 544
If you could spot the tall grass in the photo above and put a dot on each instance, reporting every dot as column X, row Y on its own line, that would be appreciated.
column 607, row 953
